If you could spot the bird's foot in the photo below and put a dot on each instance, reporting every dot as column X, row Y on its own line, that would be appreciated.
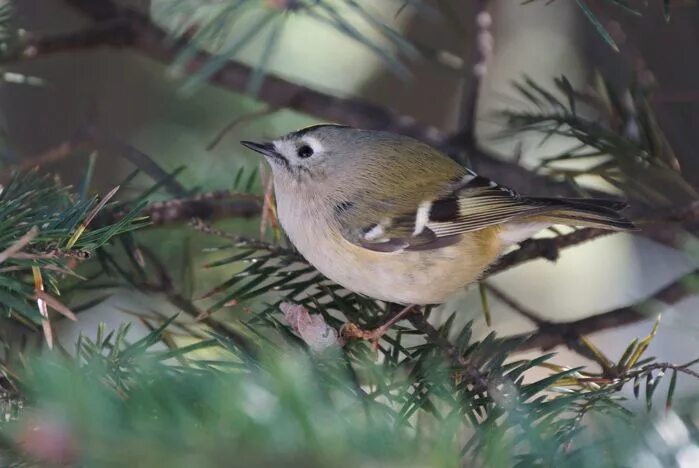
column 352, row 331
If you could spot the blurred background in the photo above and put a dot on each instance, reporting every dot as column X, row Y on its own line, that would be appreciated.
column 176, row 118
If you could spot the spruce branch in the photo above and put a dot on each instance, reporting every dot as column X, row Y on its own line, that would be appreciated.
column 45, row 231
column 618, row 139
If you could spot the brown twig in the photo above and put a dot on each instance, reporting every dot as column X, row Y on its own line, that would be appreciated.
column 555, row 334
column 205, row 228
column 52, row 155
column 660, row 226
column 476, row 59
column 548, row 248
column 265, row 111
column 209, row 206
column 113, row 33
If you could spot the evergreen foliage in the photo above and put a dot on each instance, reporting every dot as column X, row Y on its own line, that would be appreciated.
column 272, row 388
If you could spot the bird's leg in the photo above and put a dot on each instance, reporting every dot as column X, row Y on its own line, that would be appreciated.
column 352, row 331
column 380, row 331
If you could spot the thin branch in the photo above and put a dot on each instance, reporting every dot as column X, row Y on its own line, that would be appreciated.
column 21, row 243
column 265, row 111
column 548, row 248
column 218, row 204
column 679, row 368
column 205, row 228
column 513, row 304
column 556, row 334
column 660, row 226
column 475, row 68
column 115, row 33
column 52, row 155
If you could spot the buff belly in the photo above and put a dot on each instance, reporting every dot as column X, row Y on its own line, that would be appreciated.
column 407, row 277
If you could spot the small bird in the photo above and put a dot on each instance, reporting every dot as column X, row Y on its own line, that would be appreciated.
column 392, row 218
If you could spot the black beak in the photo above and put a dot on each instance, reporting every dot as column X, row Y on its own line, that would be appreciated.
column 266, row 149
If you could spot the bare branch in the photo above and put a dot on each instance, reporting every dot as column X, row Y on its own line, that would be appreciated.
column 554, row 334
column 52, row 155
column 661, row 227
column 210, row 206
column 476, row 61
column 114, row 33
column 548, row 248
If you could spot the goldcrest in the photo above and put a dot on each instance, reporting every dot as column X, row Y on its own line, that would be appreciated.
column 392, row 218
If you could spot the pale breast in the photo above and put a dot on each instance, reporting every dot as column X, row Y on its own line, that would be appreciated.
column 408, row 277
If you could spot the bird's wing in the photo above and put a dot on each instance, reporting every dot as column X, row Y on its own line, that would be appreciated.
column 468, row 202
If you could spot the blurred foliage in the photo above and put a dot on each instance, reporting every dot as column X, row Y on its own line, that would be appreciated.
column 8, row 28
column 45, row 230
column 204, row 390
column 619, row 139
column 226, row 27
column 245, row 402
column 257, row 391
column 629, row 6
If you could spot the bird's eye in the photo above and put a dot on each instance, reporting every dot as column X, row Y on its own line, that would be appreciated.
column 305, row 151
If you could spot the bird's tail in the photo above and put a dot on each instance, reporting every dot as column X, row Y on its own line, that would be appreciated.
column 584, row 212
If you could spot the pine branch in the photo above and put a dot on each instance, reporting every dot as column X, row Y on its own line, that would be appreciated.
column 45, row 230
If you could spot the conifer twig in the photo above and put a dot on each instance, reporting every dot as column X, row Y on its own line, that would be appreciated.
column 471, row 373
